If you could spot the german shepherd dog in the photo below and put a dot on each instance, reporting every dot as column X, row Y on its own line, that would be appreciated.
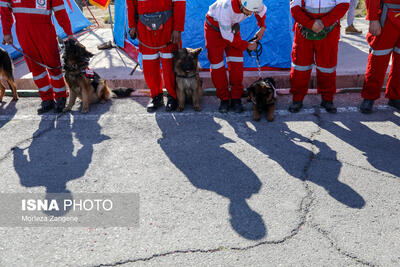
column 7, row 72
column 262, row 94
column 82, row 81
column 188, row 83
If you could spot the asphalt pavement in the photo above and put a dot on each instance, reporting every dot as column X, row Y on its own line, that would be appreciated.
column 309, row 189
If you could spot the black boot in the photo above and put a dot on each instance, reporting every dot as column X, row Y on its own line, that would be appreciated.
column 366, row 106
column 394, row 103
column 46, row 106
column 158, row 101
column 172, row 104
column 237, row 105
column 60, row 105
column 224, row 106
column 295, row 106
column 329, row 106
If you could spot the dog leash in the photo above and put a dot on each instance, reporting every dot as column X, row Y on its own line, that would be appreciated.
column 258, row 52
column 40, row 64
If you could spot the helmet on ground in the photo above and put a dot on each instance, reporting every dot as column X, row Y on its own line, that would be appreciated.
column 252, row 5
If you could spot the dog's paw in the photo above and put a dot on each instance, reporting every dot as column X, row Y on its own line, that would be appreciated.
column 180, row 109
column 256, row 118
column 66, row 109
column 270, row 119
column 84, row 111
column 197, row 109
column 15, row 98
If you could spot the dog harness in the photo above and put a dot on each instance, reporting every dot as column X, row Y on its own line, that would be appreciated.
column 93, row 76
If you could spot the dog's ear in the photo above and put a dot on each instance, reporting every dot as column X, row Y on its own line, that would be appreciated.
column 270, row 81
column 196, row 52
column 175, row 53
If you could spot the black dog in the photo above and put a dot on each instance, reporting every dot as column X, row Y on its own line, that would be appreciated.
column 7, row 72
column 262, row 94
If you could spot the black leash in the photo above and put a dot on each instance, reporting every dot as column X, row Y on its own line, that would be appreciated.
column 40, row 64
column 258, row 53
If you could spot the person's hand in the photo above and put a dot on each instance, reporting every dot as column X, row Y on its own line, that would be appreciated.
column 375, row 27
column 7, row 39
column 252, row 46
column 176, row 38
column 260, row 33
column 72, row 37
column 318, row 26
column 132, row 33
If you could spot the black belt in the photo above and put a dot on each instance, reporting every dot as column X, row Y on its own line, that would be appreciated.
column 155, row 20
column 235, row 27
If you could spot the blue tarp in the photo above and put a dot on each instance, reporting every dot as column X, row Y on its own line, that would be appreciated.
column 277, row 41
column 78, row 22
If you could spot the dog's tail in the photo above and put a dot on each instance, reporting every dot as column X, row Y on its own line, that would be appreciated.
column 122, row 92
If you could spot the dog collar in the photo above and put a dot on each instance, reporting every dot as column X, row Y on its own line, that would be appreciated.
column 186, row 77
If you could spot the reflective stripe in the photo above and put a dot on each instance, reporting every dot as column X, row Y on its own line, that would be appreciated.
column 166, row 55
column 150, row 57
column 26, row 10
column 45, row 89
column 58, row 8
column 383, row 52
column 217, row 66
column 319, row 10
column 59, row 90
column 396, row 49
column 234, row 59
column 326, row 70
column 40, row 76
column 3, row 4
column 58, row 77
column 302, row 68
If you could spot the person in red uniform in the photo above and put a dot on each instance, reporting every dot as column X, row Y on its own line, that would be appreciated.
column 316, row 40
column 384, row 41
column 158, row 26
column 37, row 37
column 221, row 36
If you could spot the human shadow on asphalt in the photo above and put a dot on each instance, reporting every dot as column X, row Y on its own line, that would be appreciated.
column 283, row 146
column 61, row 151
column 207, row 165
column 381, row 150
column 8, row 109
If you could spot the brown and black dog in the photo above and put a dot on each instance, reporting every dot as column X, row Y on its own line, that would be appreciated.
column 83, row 82
column 7, row 72
column 188, row 83
column 262, row 94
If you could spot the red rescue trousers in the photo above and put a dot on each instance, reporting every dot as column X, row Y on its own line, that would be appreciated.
column 382, row 48
column 216, row 46
column 39, row 41
column 152, row 69
column 305, row 54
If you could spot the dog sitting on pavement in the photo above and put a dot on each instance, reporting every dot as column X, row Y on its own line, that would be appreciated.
column 188, row 83
column 262, row 94
column 7, row 72
column 82, row 81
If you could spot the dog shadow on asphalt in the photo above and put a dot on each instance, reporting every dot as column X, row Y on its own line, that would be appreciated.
column 61, row 151
column 8, row 109
column 209, row 166
column 381, row 150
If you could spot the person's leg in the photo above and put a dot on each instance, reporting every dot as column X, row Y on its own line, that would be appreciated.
column 350, row 29
column 234, row 58
column 326, row 59
column 302, row 64
column 167, row 62
column 393, row 84
column 152, row 76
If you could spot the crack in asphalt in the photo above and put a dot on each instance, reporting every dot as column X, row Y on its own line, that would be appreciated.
column 304, row 210
column 343, row 252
